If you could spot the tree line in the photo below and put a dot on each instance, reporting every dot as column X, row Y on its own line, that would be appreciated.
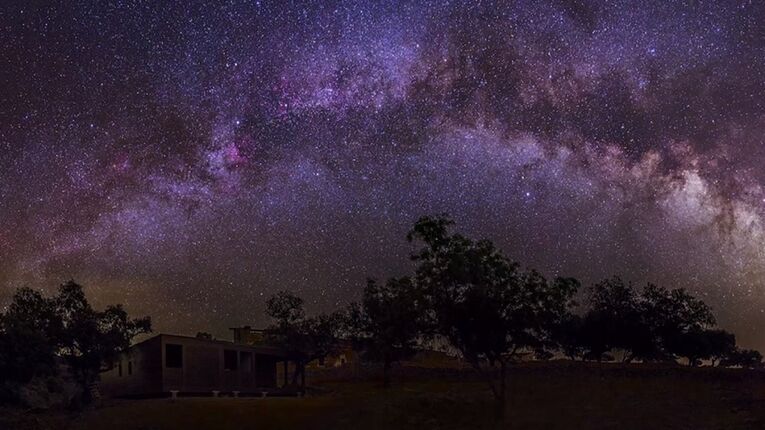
column 652, row 324
column 468, row 294
column 463, row 292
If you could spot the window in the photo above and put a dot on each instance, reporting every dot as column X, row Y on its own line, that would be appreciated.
column 173, row 356
column 245, row 361
column 229, row 359
column 119, row 369
column 130, row 367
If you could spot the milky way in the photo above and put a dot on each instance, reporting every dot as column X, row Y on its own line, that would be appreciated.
column 189, row 160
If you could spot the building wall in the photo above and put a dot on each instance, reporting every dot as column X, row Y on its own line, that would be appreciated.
column 201, row 371
column 141, row 373
column 265, row 371
column 203, row 368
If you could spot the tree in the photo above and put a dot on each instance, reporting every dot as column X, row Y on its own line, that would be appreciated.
column 483, row 304
column 675, row 319
column 92, row 340
column 695, row 345
column 744, row 358
column 615, row 321
column 568, row 336
column 29, row 333
column 596, row 336
column 655, row 324
column 390, row 322
column 304, row 339
column 721, row 345
column 36, row 330
column 285, row 307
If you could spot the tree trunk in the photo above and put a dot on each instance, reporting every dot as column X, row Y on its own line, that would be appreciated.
column 386, row 373
column 302, row 380
column 500, row 394
column 85, row 381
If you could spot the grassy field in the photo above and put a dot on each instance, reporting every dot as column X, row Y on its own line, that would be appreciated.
column 543, row 396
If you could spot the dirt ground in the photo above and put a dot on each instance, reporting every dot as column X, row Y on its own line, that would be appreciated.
column 542, row 396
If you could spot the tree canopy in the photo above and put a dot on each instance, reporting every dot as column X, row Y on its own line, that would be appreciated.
column 487, row 308
column 652, row 324
column 303, row 338
column 390, row 322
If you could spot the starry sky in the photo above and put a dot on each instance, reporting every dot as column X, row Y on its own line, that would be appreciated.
column 189, row 159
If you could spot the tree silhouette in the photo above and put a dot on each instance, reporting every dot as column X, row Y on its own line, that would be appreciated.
column 389, row 323
column 697, row 345
column 674, row 317
column 568, row 336
column 91, row 340
column 482, row 304
column 596, row 336
column 745, row 358
column 655, row 324
column 65, row 326
column 303, row 338
column 285, row 307
column 614, row 321
column 721, row 343
column 29, row 332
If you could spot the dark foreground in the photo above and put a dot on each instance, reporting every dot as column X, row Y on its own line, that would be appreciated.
column 544, row 396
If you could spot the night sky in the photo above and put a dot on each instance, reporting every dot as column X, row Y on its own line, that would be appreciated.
column 188, row 160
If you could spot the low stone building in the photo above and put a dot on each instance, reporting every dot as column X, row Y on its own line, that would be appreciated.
column 192, row 366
